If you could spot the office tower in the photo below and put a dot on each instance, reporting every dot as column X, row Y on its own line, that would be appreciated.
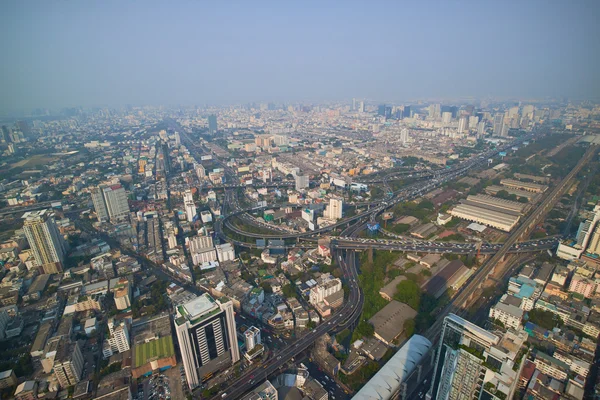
column 388, row 112
column 528, row 111
column 446, row 117
column 252, row 337
column 177, row 138
column 406, row 112
column 45, row 240
column 513, row 112
column 110, row 203
column 481, row 128
column 504, row 132
column 206, row 332
column 498, row 124
column 212, row 124
column 381, row 110
column 335, row 208
column 190, row 207
column 404, row 136
column 463, row 125
column 362, row 107
column 302, row 182
column 6, row 134
column 354, row 104
column 68, row 363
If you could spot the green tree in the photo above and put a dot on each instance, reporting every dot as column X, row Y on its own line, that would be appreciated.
column 409, row 327
column 408, row 292
column 289, row 290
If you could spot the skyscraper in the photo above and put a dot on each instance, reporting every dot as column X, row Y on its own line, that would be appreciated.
column 404, row 136
column 406, row 112
column 381, row 109
column 463, row 125
column 435, row 111
column 110, row 202
column 354, row 104
column 45, row 240
column 481, row 128
column 498, row 124
column 212, row 124
column 472, row 363
column 335, row 208
column 190, row 207
column 206, row 332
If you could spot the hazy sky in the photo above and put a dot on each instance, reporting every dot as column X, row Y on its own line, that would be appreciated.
column 70, row 53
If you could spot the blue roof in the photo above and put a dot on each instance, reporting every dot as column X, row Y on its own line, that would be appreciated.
column 525, row 291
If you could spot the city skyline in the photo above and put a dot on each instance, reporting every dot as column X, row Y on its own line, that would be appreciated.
column 117, row 54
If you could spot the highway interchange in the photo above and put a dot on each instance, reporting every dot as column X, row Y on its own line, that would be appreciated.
column 343, row 247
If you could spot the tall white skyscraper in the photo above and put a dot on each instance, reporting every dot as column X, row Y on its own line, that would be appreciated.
column 473, row 121
column 190, row 207
column 404, row 136
column 335, row 208
column 110, row 202
column 463, row 125
column 206, row 331
column 45, row 240
column 498, row 124
column 481, row 128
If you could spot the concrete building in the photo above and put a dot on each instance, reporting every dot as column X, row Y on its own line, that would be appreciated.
column 497, row 203
column 110, row 203
column 206, row 331
column 252, row 338
column 189, row 205
column 7, row 379
column 472, row 363
column 118, row 341
column 27, row 391
column 4, row 318
column 225, row 252
column 122, row 294
column 265, row 391
column 583, row 286
column 335, row 209
column 510, row 315
column 45, row 240
column 68, row 364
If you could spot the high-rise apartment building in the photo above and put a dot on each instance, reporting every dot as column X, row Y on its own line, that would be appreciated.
column 200, row 171
column 498, row 124
column 335, row 208
column 472, row 363
column 68, row 363
column 435, row 111
column 206, row 331
column 404, row 136
column 190, row 207
column 212, row 124
column 463, row 125
column 110, row 203
column 481, row 128
column 118, row 341
column 46, row 243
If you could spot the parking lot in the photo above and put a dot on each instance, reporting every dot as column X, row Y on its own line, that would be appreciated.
column 166, row 385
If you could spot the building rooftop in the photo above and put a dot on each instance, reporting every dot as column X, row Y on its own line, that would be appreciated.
column 389, row 321
column 198, row 307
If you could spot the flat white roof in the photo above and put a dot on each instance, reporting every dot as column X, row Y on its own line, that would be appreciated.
column 200, row 305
